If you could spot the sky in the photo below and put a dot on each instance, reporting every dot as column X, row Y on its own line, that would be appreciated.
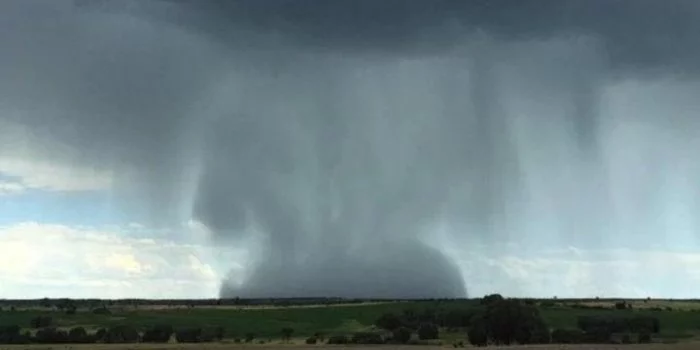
column 191, row 149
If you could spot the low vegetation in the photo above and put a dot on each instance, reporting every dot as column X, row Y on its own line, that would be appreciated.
column 492, row 320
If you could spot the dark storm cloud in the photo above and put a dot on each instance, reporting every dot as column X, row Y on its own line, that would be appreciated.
column 340, row 131
column 638, row 34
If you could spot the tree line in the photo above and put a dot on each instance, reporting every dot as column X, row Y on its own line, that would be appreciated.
column 494, row 320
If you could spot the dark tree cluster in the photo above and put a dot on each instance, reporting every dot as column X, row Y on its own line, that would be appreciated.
column 48, row 334
column 507, row 321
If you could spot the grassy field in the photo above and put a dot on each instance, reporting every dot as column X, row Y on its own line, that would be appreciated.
column 680, row 320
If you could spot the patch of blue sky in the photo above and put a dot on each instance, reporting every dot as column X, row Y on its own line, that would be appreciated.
column 85, row 208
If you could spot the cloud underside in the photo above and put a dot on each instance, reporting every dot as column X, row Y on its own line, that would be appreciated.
column 43, row 260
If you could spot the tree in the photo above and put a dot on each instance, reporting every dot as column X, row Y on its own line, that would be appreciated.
column 402, row 335
column 388, row 321
column 158, row 334
column 41, row 322
column 338, row 340
column 477, row 335
column 11, row 335
column 491, row 299
column 79, row 335
column 567, row 336
column 121, row 335
column 509, row 321
column 367, row 338
column 428, row 331
column 189, row 335
column 644, row 338
column 249, row 337
column 287, row 333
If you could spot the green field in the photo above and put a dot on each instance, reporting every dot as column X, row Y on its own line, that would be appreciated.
column 678, row 319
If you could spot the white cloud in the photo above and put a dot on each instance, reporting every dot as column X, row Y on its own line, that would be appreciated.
column 10, row 187
column 24, row 157
column 577, row 272
column 38, row 260
column 52, row 176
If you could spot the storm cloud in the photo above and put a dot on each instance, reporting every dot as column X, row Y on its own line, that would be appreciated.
column 332, row 137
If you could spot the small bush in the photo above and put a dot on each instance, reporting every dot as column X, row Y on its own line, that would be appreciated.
column 51, row 336
column 158, row 334
column 644, row 338
column 428, row 331
column 287, row 333
column 210, row 334
column 491, row 299
column 79, row 335
column 121, row 335
column 100, row 334
column 626, row 339
column 367, row 338
column 478, row 336
column 311, row 340
column 567, row 336
column 249, row 337
column 621, row 305
column 11, row 335
column 388, row 321
column 41, row 322
column 319, row 336
column 189, row 335
column 402, row 335
column 338, row 339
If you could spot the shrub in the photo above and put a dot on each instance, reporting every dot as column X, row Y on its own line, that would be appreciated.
column 210, row 334
column 567, row 336
column 644, row 338
column 491, row 299
column 626, row 339
column 621, row 305
column 459, row 318
column 51, row 336
column 428, row 331
column 79, row 335
column 311, row 340
column 11, row 335
column 158, row 334
column 509, row 321
column 287, row 333
column 388, row 321
column 402, row 335
column 121, row 335
column 338, row 339
column 41, row 322
column 367, row 338
column 189, row 335
column 597, row 336
column 478, row 336
column 249, row 337
column 100, row 334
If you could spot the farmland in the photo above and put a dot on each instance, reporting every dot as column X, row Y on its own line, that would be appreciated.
column 263, row 320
